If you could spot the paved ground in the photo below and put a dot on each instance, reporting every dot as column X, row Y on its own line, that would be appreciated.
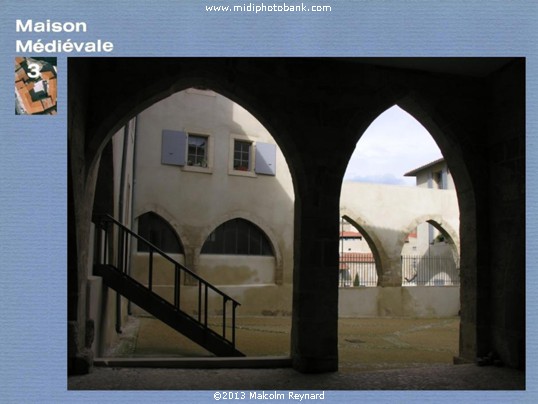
column 432, row 377
column 374, row 354
column 364, row 344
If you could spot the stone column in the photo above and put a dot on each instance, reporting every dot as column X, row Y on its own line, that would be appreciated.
column 315, row 277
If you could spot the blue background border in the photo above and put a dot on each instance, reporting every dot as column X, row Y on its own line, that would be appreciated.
column 33, row 149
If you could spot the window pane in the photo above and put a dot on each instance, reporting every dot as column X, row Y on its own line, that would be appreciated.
column 242, row 237
column 255, row 243
column 238, row 237
column 158, row 232
column 230, row 238
column 241, row 155
column 197, row 151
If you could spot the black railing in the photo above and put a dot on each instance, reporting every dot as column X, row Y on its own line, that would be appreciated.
column 429, row 271
column 359, row 269
column 107, row 227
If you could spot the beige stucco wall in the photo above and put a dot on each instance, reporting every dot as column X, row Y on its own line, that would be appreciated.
column 389, row 213
column 195, row 201
column 417, row 301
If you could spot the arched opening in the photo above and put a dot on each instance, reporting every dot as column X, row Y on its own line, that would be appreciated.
column 159, row 232
column 360, row 261
column 199, row 157
column 431, row 259
column 238, row 253
column 395, row 175
column 238, row 237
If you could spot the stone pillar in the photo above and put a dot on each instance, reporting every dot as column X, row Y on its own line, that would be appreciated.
column 392, row 271
column 315, row 276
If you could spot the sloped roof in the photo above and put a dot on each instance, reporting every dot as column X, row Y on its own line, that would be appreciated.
column 414, row 172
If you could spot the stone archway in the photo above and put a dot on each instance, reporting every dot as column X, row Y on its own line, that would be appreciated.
column 317, row 109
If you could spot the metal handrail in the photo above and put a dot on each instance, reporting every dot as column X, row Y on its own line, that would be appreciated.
column 102, row 221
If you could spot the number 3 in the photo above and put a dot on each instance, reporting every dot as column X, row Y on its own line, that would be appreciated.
column 35, row 68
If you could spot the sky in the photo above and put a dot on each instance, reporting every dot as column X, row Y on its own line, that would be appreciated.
column 393, row 144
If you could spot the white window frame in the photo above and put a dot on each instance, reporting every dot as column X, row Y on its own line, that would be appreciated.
column 252, row 155
column 209, row 153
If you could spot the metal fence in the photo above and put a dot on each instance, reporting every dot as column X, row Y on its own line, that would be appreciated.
column 359, row 269
column 429, row 271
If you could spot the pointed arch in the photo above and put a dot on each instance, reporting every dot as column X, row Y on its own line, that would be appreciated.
column 373, row 243
column 238, row 237
column 159, row 232
column 450, row 234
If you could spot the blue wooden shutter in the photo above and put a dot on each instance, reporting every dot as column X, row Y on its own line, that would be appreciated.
column 173, row 148
column 265, row 159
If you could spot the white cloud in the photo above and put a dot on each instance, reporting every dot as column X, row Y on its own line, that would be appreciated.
column 394, row 144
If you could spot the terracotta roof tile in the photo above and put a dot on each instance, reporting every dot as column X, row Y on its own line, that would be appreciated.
column 356, row 257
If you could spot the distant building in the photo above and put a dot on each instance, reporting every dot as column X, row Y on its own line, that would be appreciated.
column 434, row 175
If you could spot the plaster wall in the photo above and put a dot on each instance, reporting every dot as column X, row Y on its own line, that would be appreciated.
column 201, row 201
column 196, row 200
column 389, row 213
column 417, row 301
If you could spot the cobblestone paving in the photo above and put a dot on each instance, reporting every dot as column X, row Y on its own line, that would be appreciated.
column 363, row 344
column 374, row 354
column 433, row 377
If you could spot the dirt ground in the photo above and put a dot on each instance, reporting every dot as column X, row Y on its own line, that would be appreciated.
column 363, row 343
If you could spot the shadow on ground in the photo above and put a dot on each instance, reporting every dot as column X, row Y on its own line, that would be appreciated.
column 364, row 344
column 374, row 354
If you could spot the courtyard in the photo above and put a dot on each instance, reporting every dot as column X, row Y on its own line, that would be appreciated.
column 364, row 344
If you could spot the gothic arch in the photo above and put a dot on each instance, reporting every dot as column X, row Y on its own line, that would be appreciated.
column 440, row 224
column 373, row 242
column 167, row 220
column 209, row 228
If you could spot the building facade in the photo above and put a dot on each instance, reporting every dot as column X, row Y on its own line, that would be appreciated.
column 212, row 173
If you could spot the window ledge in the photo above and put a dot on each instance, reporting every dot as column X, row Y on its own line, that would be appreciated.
column 239, row 173
column 196, row 169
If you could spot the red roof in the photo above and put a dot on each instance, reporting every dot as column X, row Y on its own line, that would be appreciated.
column 350, row 234
column 356, row 257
